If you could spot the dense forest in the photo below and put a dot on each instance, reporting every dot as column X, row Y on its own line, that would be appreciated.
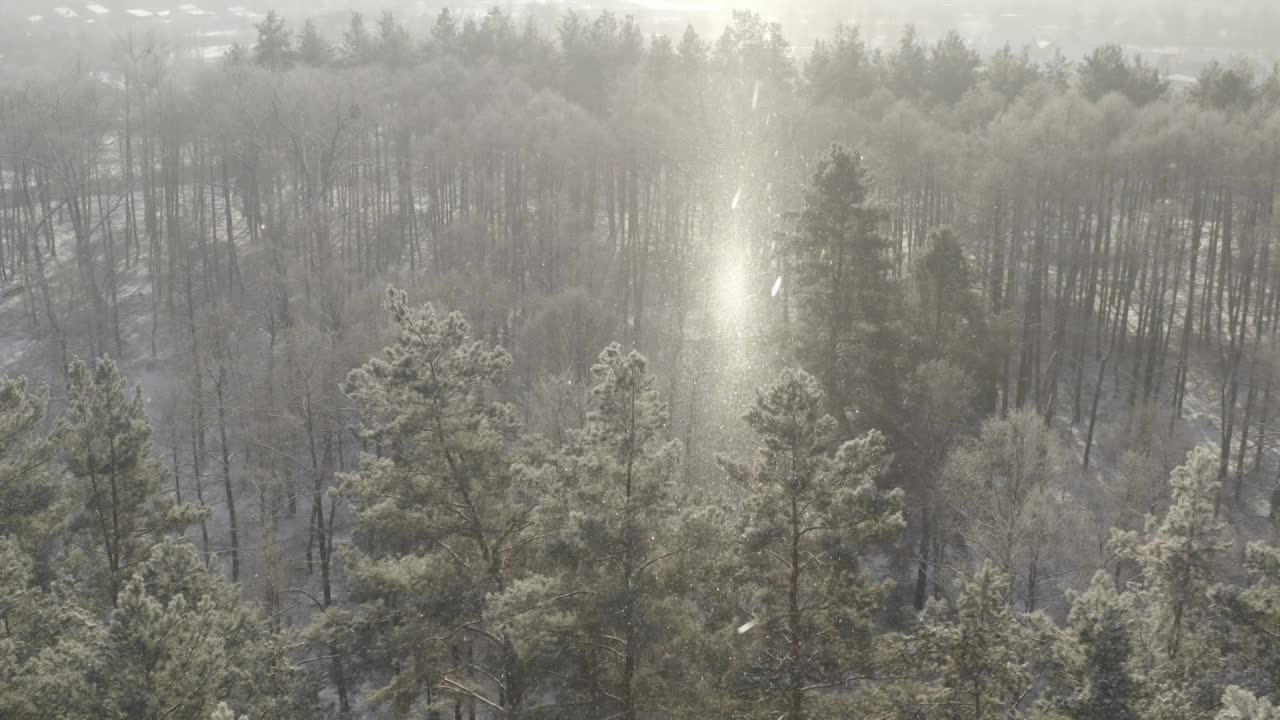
column 504, row 373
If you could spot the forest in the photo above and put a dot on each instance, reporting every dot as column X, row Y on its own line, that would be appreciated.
column 505, row 371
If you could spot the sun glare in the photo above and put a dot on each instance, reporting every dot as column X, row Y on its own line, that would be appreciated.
column 732, row 291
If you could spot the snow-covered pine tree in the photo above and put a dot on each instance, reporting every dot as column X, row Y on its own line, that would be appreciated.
column 274, row 48
column 179, row 641
column 105, row 438
column 182, row 642
column 613, row 610
column 1095, row 679
column 811, row 510
column 51, row 650
column 1177, row 553
column 980, row 651
column 30, row 497
column 441, row 523
column 1252, row 614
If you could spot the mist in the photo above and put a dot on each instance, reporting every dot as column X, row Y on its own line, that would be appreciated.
column 639, row 360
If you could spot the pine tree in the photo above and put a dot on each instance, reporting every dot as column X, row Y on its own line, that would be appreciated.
column 1097, row 681
column 357, row 44
column 847, row 336
column 908, row 67
column 1252, row 615
column 313, row 50
column 811, row 510
column 30, row 503
column 393, row 47
column 51, row 651
column 1010, row 74
column 444, row 35
column 942, row 279
column 609, row 611
column 179, row 641
column 106, row 447
column 443, row 522
column 980, row 650
column 840, row 69
column 274, row 48
column 946, row 316
column 953, row 68
column 950, row 315
column 182, row 643
column 1107, row 70
column 941, row 412
column 1225, row 88
column 1177, row 554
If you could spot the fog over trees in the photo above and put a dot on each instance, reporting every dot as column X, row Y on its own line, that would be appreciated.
column 498, row 372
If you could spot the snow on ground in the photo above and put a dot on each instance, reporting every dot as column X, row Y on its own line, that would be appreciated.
column 16, row 347
column 65, row 12
column 213, row 52
column 113, row 79
column 96, row 9
column 137, row 12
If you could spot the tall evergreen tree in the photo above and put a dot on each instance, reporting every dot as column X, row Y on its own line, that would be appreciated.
column 941, row 411
column 116, row 482
column 51, row 650
column 611, row 610
column 179, row 641
column 182, row 642
column 811, row 510
column 443, row 523
column 980, row 650
column 1097, row 680
column 907, row 68
column 1225, row 87
column 840, row 69
column 947, row 318
column 1252, row 615
column 393, row 47
column 1108, row 70
column 313, row 49
column 1012, row 74
column 274, row 48
column 357, row 43
column 846, row 336
column 30, row 490
column 953, row 68
column 1177, row 554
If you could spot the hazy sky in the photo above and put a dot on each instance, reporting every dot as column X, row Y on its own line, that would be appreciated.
column 1194, row 26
